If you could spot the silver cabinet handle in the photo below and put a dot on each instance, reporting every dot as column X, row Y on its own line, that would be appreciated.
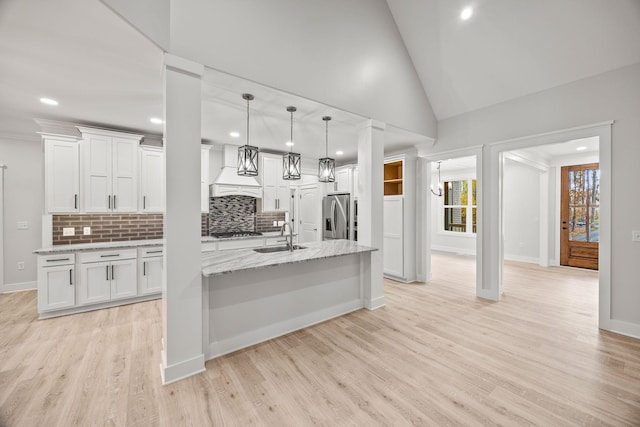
column 75, row 201
column 112, row 272
column 58, row 259
column 144, row 202
column 109, row 256
column 114, row 201
column 71, row 276
column 144, row 268
column 107, row 271
column 109, row 201
column 155, row 252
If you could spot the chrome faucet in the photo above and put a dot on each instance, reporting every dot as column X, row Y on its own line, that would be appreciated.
column 289, row 240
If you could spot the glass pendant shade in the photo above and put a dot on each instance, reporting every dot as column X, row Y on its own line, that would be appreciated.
column 248, row 160
column 326, row 165
column 247, row 154
column 326, row 169
column 291, row 161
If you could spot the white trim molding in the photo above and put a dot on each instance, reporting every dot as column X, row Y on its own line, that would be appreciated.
column 2, row 252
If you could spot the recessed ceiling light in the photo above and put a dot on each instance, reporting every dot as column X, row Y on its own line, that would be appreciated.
column 339, row 153
column 582, row 148
column 48, row 101
column 155, row 120
column 466, row 13
column 234, row 134
column 289, row 144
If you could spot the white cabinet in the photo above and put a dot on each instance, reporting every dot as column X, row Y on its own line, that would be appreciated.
column 275, row 190
column 150, row 270
column 56, row 282
column 109, row 171
column 151, row 179
column 393, row 236
column 342, row 183
column 106, row 276
column 204, row 180
column 62, row 174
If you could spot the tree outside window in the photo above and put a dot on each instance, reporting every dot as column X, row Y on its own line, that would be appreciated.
column 459, row 206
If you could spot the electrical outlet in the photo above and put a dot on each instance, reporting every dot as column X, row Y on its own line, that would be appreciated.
column 275, row 223
column 635, row 236
column 68, row 231
column 86, row 231
column 23, row 225
column 20, row 265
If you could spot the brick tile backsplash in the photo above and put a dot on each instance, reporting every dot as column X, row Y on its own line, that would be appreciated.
column 264, row 221
column 112, row 227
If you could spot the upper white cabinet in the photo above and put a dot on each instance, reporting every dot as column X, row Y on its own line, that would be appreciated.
column 342, row 183
column 151, row 179
column 109, row 171
column 62, row 174
column 275, row 190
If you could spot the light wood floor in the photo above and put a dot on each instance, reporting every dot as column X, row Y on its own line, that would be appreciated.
column 435, row 355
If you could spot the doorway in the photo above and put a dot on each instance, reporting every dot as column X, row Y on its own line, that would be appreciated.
column 580, row 216
column 309, row 214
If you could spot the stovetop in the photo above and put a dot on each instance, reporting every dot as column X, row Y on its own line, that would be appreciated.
column 236, row 234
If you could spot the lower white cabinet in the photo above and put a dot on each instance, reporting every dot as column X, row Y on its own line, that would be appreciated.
column 150, row 271
column 393, row 236
column 106, row 276
column 56, row 282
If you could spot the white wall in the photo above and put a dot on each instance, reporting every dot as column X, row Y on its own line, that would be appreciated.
column 23, row 201
column 347, row 54
column 521, row 220
column 610, row 96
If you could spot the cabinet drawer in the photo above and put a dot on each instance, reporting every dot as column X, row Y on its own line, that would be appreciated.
column 56, row 259
column 106, row 256
column 151, row 252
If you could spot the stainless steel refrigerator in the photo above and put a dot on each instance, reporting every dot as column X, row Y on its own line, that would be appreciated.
column 335, row 216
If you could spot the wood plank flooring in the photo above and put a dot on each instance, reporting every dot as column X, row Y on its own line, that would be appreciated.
column 435, row 355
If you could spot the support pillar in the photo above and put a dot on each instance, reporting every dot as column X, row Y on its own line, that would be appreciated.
column 371, row 206
column 182, row 354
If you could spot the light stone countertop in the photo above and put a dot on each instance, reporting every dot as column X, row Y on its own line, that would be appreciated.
column 232, row 260
column 128, row 244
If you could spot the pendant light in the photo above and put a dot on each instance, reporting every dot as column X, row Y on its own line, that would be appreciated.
column 291, row 161
column 439, row 193
column 247, row 154
column 326, row 165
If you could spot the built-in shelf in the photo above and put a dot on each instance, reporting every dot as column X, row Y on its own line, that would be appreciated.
column 393, row 178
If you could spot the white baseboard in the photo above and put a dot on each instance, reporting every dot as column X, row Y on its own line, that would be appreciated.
column 18, row 287
column 375, row 303
column 532, row 260
column 624, row 328
column 182, row 370
column 454, row 250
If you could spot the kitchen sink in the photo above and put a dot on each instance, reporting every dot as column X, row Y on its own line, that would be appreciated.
column 270, row 249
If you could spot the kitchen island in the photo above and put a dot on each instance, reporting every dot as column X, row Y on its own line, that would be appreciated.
column 251, row 297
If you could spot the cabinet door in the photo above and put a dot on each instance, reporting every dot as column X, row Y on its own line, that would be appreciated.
column 270, row 173
column 56, row 287
column 95, row 284
column 393, row 241
column 152, row 180
column 123, row 279
column 125, row 175
column 342, row 183
column 62, row 172
column 283, row 196
column 97, row 173
column 150, row 274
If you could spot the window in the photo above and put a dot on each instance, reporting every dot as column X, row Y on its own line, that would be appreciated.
column 459, row 206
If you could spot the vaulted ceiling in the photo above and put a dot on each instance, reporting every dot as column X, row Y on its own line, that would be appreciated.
column 512, row 48
column 103, row 71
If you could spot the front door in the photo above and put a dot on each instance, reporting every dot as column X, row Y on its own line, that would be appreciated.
column 580, row 216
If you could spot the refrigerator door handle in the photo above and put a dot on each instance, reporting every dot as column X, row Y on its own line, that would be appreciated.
column 333, row 219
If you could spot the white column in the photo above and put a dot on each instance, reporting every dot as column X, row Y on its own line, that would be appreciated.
column 371, row 206
column 544, row 219
column 182, row 354
column 489, row 222
column 2, row 252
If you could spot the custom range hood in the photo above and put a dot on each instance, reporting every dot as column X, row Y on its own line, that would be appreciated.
column 228, row 182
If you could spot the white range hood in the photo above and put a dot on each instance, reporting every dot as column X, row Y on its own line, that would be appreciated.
column 228, row 182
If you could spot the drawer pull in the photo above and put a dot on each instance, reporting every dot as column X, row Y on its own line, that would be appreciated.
column 154, row 252
column 109, row 256
column 58, row 259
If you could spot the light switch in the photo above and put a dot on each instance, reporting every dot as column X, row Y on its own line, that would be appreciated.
column 23, row 225
column 68, row 231
column 86, row 231
column 635, row 236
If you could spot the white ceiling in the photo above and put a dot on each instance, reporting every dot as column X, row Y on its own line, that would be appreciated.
column 511, row 48
column 104, row 72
